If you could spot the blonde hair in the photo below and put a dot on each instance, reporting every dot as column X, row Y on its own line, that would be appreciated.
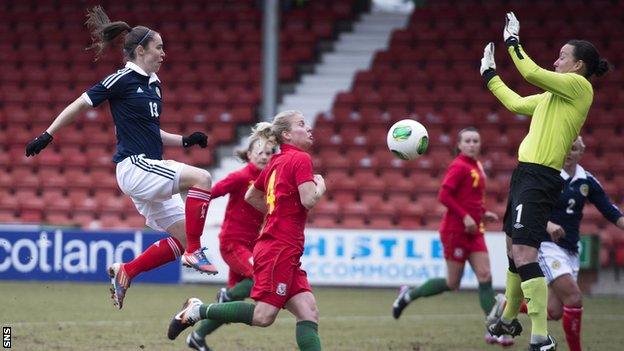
column 269, row 132
column 281, row 123
column 261, row 132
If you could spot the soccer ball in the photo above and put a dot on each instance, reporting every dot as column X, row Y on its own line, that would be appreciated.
column 407, row 139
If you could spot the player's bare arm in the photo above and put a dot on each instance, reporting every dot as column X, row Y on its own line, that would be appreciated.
column 255, row 198
column 311, row 192
column 68, row 115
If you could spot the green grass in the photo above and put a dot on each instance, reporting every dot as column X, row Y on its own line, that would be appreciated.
column 67, row 316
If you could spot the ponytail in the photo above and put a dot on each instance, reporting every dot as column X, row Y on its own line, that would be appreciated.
column 104, row 32
column 603, row 67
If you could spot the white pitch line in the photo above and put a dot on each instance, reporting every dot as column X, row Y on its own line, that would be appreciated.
column 288, row 319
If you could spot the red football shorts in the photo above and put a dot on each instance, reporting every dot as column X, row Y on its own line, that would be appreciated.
column 459, row 246
column 277, row 273
column 239, row 257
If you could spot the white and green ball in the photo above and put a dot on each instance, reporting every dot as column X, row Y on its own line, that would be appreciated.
column 408, row 139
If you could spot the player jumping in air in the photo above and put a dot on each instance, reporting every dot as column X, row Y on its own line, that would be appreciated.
column 557, row 117
column 285, row 189
column 462, row 228
column 559, row 258
column 135, row 96
column 240, row 228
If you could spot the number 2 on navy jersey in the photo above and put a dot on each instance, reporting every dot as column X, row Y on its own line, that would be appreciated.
column 153, row 107
column 570, row 208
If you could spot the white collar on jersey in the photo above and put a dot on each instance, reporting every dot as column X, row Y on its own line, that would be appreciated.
column 579, row 173
column 133, row 66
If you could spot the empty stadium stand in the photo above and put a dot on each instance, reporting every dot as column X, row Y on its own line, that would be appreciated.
column 211, row 78
column 430, row 73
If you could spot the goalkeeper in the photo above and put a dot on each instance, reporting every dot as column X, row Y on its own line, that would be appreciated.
column 557, row 117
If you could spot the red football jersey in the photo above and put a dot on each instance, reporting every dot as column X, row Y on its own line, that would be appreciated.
column 462, row 192
column 242, row 221
column 279, row 180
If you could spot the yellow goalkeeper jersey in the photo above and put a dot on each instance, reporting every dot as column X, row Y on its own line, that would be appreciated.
column 557, row 114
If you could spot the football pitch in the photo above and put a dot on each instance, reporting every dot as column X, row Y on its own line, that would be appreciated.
column 71, row 316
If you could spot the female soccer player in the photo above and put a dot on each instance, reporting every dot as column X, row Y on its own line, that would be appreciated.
column 286, row 189
column 134, row 94
column 462, row 229
column 559, row 259
column 557, row 117
column 240, row 228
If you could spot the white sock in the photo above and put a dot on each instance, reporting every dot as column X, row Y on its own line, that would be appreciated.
column 538, row 339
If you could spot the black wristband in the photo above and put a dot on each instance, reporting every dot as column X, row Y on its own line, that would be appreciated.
column 511, row 41
column 488, row 74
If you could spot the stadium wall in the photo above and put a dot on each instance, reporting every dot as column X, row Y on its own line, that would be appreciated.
column 75, row 255
column 340, row 257
column 375, row 258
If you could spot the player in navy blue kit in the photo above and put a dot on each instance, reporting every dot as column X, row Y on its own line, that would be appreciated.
column 135, row 97
column 559, row 259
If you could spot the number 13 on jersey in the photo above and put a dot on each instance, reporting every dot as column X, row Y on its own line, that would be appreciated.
column 153, row 107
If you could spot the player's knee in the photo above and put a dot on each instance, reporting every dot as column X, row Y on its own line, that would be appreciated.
column 203, row 180
column 554, row 314
column 484, row 276
column 453, row 284
column 574, row 299
column 263, row 319
column 313, row 313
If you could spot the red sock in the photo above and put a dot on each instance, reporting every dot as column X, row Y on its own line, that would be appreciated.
column 524, row 308
column 159, row 253
column 197, row 202
column 572, row 326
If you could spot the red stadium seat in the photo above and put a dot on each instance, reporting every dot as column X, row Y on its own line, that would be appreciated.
column 326, row 208
column 354, row 222
column 379, row 222
column 323, row 221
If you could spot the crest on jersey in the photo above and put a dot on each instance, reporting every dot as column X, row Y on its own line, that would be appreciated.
column 158, row 92
column 459, row 252
column 281, row 289
column 556, row 265
column 584, row 189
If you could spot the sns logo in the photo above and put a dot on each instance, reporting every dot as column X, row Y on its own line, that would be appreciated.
column 6, row 337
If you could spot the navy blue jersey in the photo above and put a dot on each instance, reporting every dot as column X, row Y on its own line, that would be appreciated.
column 568, row 210
column 135, row 101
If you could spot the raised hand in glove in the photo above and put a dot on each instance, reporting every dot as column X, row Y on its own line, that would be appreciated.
column 197, row 138
column 512, row 29
column 487, row 61
column 38, row 144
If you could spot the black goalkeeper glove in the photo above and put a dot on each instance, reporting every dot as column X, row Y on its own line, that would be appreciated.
column 38, row 144
column 197, row 138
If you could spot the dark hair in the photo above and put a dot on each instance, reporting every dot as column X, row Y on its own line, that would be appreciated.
column 459, row 137
column 586, row 51
column 103, row 32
